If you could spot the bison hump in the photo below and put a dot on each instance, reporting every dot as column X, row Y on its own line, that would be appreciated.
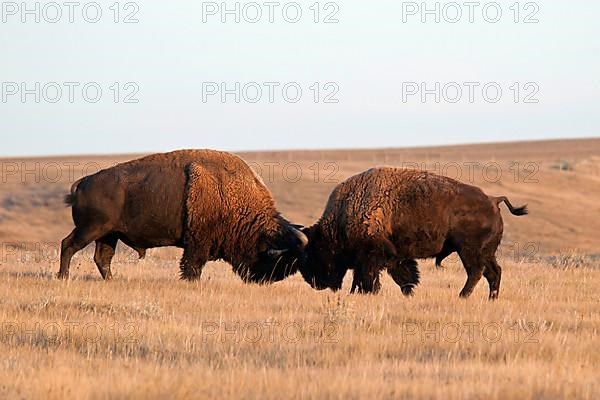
column 203, row 197
column 376, row 222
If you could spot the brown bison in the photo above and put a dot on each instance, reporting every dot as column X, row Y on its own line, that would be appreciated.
column 385, row 218
column 209, row 203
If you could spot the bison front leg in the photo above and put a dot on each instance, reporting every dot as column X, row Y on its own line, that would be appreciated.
column 367, row 269
column 354, row 283
column 356, row 277
column 366, row 280
column 191, row 264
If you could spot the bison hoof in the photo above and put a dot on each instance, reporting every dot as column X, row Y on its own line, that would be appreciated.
column 494, row 295
column 63, row 276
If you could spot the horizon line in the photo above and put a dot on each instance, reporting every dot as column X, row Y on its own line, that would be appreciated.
column 300, row 150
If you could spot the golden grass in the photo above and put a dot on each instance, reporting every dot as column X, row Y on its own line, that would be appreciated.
column 148, row 335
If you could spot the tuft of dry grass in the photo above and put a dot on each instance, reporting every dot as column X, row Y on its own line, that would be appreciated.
column 148, row 335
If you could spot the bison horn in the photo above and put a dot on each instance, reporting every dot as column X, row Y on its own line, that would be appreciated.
column 301, row 237
column 276, row 253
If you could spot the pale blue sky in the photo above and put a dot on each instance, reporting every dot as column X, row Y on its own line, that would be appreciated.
column 368, row 54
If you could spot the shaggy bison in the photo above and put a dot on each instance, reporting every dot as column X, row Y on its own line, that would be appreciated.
column 385, row 218
column 209, row 203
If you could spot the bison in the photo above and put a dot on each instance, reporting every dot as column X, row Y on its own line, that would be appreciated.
column 207, row 202
column 385, row 218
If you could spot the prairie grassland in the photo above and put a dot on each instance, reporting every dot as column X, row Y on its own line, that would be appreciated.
column 148, row 335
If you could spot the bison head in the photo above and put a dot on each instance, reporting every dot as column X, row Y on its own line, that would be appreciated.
column 276, row 255
column 318, row 264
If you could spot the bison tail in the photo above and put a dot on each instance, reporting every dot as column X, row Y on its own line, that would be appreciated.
column 513, row 210
column 72, row 196
column 70, row 199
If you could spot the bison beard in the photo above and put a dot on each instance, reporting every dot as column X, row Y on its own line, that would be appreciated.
column 209, row 203
column 386, row 218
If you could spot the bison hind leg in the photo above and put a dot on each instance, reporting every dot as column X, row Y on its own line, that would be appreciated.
column 473, row 264
column 76, row 241
column 105, row 251
column 493, row 274
column 406, row 275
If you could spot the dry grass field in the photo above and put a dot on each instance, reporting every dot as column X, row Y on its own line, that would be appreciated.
column 148, row 335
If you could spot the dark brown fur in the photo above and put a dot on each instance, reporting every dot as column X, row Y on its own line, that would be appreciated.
column 385, row 218
column 209, row 203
